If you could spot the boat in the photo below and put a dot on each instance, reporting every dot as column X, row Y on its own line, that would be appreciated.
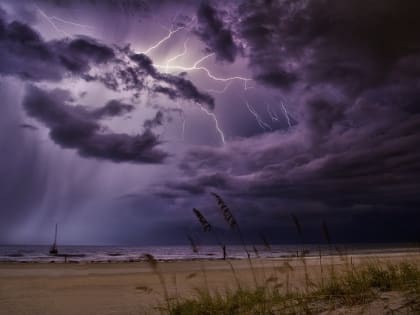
column 53, row 249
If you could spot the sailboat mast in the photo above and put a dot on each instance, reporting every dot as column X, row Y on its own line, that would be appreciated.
column 53, row 249
column 55, row 236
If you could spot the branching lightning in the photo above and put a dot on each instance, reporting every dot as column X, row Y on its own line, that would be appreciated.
column 222, row 90
column 183, row 53
column 54, row 18
column 160, row 42
column 261, row 123
column 229, row 80
column 51, row 19
column 196, row 66
column 167, row 66
column 171, row 32
column 275, row 117
column 272, row 114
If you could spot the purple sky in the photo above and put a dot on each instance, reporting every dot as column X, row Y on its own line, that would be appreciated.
column 118, row 117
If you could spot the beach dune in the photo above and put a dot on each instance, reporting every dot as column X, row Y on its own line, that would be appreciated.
column 133, row 288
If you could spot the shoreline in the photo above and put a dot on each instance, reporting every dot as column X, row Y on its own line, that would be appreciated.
column 143, row 266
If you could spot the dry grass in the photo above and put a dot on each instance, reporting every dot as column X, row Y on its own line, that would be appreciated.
column 348, row 288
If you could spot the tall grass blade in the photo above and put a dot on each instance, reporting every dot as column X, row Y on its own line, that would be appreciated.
column 265, row 241
column 227, row 214
column 193, row 244
column 230, row 219
column 204, row 223
column 326, row 232
column 297, row 225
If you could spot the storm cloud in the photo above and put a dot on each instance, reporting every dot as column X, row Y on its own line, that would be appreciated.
column 215, row 34
column 72, row 127
column 353, row 150
column 354, row 45
column 181, row 87
column 325, row 128
column 25, row 54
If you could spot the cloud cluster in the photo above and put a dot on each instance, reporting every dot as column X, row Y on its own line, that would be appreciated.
column 77, row 128
column 349, row 71
column 352, row 68
column 111, row 109
column 25, row 54
column 352, row 44
column 179, row 87
column 213, row 32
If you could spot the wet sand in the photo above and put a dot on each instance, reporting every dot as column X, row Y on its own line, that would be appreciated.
column 134, row 288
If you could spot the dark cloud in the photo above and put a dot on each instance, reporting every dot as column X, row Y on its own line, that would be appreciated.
column 155, row 121
column 78, row 54
column 111, row 109
column 348, row 71
column 215, row 34
column 25, row 54
column 188, row 90
column 145, row 64
column 124, row 7
column 277, row 78
column 357, row 111
column 130, row 79
column 353, row 45
column 181, row 86
column 73, row 127
column 163, row 114
column 338, row 162
column 170, row 93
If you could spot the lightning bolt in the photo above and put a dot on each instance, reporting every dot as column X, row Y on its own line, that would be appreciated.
column 227, row 85
column 216, row 123
column 171, row 32
column 54, row 18
column 183, row 128
column 272, row 114
column 261, row 123
column 183, row 53
column 167, row 66
column 286, row 114
column 51, row 19
column 164, row 39
column 246, row 87
column 196, row 66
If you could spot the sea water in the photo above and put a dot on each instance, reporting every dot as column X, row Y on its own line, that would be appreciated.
column 40, row 253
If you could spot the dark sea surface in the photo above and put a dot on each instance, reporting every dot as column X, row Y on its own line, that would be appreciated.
column 39, row 253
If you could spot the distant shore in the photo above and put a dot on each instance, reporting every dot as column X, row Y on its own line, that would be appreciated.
column 62, row 259
column 134, row 288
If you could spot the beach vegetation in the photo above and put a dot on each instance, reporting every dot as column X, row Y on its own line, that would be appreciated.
column 359, row 285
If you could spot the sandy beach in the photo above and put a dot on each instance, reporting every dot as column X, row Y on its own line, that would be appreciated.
column 133, row 288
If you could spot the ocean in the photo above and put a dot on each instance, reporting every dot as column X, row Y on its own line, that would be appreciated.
column 97, row 254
